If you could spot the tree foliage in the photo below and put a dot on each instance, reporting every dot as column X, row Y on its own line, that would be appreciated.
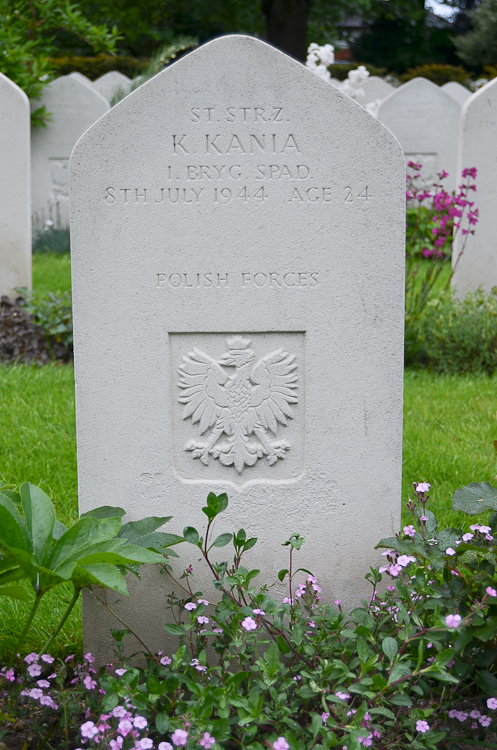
column 479, row 46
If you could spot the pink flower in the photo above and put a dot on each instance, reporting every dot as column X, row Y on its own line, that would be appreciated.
column 34, row 670
column 47, row 658
column 207, row 741
column 89, row 658
column 395, row 570
column 450, row 551
column 404, row 560
column 43, row 683
column 492, row 703
column 179, row 737
column 475, row 714
column 325, row 717
column 203, row 601
column 125, row 727
column 146, row 743
column 202, row 620
column 453, row 621
column 409, row 530
column 89, row 683
column 258, row 612
column 117, row 743
column 165, row 661
column 281, row 744
column 422, row 726
column 120, row 672
column 119, row 712
column 46, row 700
column 10, row 675
column 31, row 658
column 366, row 741
column 342, row 696
column 423, row 487
column 190, row 606
column 467, row 537
column 490, row 591
column 89, row 730
column 249, row 624
column 140, row 722
column 485, row 721
column 165, row 746
column 287, row 600
column 424, row 518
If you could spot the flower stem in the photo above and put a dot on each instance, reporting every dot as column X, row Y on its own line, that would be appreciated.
column 61, row 624
column 29, row 621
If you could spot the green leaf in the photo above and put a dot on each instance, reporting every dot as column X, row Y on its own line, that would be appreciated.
column 400, row 699
column 101, row 574
column 59, row 529
column 191, row 535
column 84, row 537
column 474, row 498
column 174, row 629
column 15, row 592
column 215, row 505
column 40, row 520
column 135, row 529
column 272, row 656
column 362, row 650
column 487, row 681
column 380, row 711
column 129, row 553
column 283, row 645
column 105, row 511
column 249, row 543
column 222, row 540
column 390, row 648
column 399, row 670
column 12, row 526
column 162, row 722
column 282, row 574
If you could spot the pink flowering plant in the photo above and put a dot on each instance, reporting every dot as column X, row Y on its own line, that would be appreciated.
column 435, row 217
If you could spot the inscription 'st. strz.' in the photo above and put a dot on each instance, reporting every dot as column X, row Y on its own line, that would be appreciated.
column 253, row 401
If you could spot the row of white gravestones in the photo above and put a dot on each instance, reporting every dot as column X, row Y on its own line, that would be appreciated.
column 108, row 84
column 74, row 107
column 15, row 200
column 250, row 261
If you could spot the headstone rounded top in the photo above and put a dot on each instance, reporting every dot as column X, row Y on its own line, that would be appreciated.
column 372, row 89
column 109, row 82
column 481, row 93
column 417, row 88
column 81, row 78
column 12, row 90
column 456, row 91
column 68, row 91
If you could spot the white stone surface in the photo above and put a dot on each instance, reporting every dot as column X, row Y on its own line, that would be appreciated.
column 456, row 91
column 478, row 148
column 426, row 121
column 74, row 107
column 108, row 84
column 206, row 205
column 15, row 187
column 81, row 78
column 371, row 90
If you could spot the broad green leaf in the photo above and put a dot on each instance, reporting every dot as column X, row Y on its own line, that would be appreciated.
column 83, row 537
column 400, row 699
column 40, row 520
column 12, row 495
column 362, row 650
column 222, row 540
column 399, row 670
column 105, row 511
column 101, row 574
column 12, row 526
column 59, row 530
column 282, row 574
column 474, row 498
column 382, row 712
column 14, row 574
column 191, row 535
column 174, row 629
column 125, row 555
column 249, row 543
column 487, row 681
column 134, row 529
column 15, row 592
column 272, row 656
column 162, row 722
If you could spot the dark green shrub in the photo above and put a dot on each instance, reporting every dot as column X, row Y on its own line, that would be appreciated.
column 460, row 335
column 52, row 241
column 437, row 73
column 98, row 65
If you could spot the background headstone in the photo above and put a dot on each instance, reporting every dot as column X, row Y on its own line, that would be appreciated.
column 478, row 148
column 426, row 121
column 74, row 107
column 15, row 187
column 108, row 84
column 456, row 91
column 81, row 78
column 372, row 89
column 215, row 224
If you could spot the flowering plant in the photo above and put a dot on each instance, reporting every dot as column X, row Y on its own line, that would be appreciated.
column 435, row 218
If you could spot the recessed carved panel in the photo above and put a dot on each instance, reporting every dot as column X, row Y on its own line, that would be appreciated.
column 238, row 405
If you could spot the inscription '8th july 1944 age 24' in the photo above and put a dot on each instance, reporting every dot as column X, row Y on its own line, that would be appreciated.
column 248, row 407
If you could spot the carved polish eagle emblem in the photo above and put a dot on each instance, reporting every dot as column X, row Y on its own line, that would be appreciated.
column 238, row 405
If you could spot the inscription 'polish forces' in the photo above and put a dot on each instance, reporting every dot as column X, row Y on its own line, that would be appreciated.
column 251, row 401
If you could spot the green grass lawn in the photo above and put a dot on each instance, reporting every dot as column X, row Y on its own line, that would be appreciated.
column 450, row 424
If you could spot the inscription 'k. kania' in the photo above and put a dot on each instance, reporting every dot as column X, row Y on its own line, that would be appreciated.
column 247, row 407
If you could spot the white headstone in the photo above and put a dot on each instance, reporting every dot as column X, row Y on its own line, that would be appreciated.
column 220, row 232
column 15, row 186
column 456, row 91
column 426, row 121
column 371, row 90
column 74, row 106
column 478, row 148
column 335, row 82
column 81, row 78
column 108, row 84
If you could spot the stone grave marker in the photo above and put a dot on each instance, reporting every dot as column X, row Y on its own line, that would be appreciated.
column 425, row 119
column 81, row 78
column 478, row 148
column 226, row 243
column 456, row 91
column 74, row 107
column 15, row 187
column 108, row 84
column 373, row 89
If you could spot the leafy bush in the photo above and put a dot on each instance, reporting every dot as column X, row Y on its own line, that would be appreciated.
column 438, row 73
column 98, row 65
column 411, row 666
column 52, row 241
column 460, row 335
column 53, row 314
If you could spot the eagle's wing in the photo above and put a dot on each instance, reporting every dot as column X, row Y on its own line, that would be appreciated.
column 275, row 379
column 202, row 380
